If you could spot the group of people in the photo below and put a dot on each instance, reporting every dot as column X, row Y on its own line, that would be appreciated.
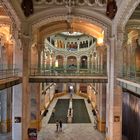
column 58, row 123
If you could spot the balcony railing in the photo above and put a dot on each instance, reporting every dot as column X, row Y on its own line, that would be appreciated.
column 8, row 73
column 67, row 71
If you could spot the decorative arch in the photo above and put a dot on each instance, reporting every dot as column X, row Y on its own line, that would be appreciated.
column 71, row 62
column 59, row 62
column 126, row 10
column 88, row 16
column 11, row 21
column 83, row 62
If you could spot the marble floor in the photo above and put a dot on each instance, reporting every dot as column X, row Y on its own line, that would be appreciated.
column 82, row 131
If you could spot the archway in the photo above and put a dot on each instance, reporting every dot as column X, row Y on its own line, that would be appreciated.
column 84, row 62
column 59, row 61
column 71, row 62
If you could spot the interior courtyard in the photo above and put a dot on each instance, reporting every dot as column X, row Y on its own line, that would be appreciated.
column 69, row 69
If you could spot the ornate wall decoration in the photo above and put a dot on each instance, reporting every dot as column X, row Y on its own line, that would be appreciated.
column 73, row 2
column 111, row 9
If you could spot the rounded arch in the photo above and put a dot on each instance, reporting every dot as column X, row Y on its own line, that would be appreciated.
column 16, row 23
column 80, row 14
column 59, row 61
column 126, row 10
column 83, row 61
column 71, row 62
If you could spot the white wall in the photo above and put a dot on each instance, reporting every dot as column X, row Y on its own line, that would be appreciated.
column 17, row 112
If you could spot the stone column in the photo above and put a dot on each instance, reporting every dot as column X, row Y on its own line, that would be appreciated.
column 88, row 63
column 77, row 88
column 39, row 49
column 97, row 88
column 96, row 62
column 102, row 107
column 3, row 115
column 5, row 110
column 25, row 89
column 17, row 93
column 35, row 105
column 78, row 64
column 65, row 64
column 101, row 62
column 113, row 102
column 92, row 63
column 17, row 112
column 65, row 87
column 119, row 49
column 78, row 45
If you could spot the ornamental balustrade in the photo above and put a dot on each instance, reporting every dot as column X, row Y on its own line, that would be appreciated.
column 67, row 70
column 53, row 48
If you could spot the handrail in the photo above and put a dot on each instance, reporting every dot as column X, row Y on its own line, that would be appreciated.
column 65, row 71
column 55, row 73
column 50, row 85
column 8, row 73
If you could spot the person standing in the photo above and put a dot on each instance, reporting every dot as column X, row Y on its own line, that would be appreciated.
column 57, row 126
column 60, row 125
column 53, row 112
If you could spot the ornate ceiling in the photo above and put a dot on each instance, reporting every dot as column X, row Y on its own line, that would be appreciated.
column 43, row 5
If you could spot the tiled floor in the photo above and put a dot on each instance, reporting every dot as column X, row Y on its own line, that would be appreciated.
column 70, row 131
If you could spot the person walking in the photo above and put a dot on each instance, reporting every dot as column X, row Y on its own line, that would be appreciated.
column 60, row 125
column 57, row 126
column 53, row 112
